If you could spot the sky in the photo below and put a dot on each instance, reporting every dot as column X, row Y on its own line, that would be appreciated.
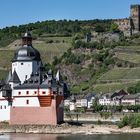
column 18, row 12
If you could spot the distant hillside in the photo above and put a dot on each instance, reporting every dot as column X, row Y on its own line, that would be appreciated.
column 52, row 28
column 100, row 66
column 106, row 62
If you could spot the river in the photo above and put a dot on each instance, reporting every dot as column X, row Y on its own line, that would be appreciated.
column 69, row 137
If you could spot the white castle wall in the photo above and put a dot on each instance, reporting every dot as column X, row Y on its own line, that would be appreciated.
column 24, row 69
column 4, row 109
column 22, row 95
column 22, row 102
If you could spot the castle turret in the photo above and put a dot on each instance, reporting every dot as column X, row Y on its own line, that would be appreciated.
column 27, row 39
column 26, row 59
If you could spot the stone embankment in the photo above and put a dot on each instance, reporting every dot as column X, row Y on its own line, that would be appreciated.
column 67, row 129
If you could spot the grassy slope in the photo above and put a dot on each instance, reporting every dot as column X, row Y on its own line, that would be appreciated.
column 3, row 74
column 111, row 87
column 128, row 53
column 112, row 80
column 122, row 74
column 47, row 50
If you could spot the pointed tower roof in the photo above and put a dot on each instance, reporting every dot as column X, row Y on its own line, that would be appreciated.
column 14, row 78
column 8, row 77
column 59, row 76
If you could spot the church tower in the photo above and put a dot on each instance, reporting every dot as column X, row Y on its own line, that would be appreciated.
column 26, row 60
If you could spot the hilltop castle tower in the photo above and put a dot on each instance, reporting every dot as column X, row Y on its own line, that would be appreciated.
column 135, row 17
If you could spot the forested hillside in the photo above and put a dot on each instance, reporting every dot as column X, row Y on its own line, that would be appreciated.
column 93, row 56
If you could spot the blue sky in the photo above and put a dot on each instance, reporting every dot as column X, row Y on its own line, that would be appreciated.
column 16, row 12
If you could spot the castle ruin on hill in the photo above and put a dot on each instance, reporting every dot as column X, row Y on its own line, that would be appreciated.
column 130, row 25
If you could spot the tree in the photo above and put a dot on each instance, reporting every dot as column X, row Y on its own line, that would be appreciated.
column 99, row 28
column 114, row 27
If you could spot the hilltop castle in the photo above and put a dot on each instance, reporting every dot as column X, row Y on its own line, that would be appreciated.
column 30, row 95
column 130, row 25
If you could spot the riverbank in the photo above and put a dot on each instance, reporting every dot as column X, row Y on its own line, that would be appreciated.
column 66, row 128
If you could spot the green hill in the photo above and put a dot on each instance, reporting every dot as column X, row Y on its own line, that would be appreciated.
column 107, row 63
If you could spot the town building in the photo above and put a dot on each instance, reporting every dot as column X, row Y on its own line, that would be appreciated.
column 30, row 95
column 112, row 99
column 133, row 99
column 79, row 101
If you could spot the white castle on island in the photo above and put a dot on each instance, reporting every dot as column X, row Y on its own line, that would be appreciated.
column 29, row 95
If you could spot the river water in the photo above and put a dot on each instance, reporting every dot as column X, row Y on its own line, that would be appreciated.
column 69, row 137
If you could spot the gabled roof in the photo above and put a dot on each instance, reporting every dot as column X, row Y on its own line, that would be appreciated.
column 14, row 78
column 132, row 96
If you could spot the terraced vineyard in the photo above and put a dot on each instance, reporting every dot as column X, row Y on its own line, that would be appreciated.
column 113, row 86
column 121, row 74
column 121, row 78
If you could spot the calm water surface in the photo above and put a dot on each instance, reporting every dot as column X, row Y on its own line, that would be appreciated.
column 69, row 137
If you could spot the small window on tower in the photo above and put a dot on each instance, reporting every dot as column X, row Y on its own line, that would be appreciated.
column 0, row 107
column 35, row 92
column 21, row 63
column 19, row 93
column 5, row 107
column 27, row 102
column 27, row 92
column 43, row 92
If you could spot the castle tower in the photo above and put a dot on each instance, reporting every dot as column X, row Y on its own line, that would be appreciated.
column 26, row 60
column 135, row 17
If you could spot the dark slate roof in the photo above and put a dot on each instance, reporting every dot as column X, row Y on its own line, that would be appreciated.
column 14, row 78
column 120, row 93
column 26, row 53
column 130, row 96
column 39, row 80
column 27, row 86
column 6, row 87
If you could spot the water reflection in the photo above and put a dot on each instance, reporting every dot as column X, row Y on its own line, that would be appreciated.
column 69, row 137
column 29, row 137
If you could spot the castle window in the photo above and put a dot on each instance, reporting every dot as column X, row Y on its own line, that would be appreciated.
column 27, row 92
column 43, row 92
column 35, row 92
column 21, row 63
column 25, row 76
column 0, row 107
column 27, row 102
column 19, row 93
column 5, row 107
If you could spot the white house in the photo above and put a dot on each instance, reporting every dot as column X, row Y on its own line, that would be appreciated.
column 130, row 99
column 112, row 98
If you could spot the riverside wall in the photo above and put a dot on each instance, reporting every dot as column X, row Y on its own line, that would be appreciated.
column 95, row 117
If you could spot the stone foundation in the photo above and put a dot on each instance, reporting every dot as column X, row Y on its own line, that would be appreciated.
column 36, row 115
